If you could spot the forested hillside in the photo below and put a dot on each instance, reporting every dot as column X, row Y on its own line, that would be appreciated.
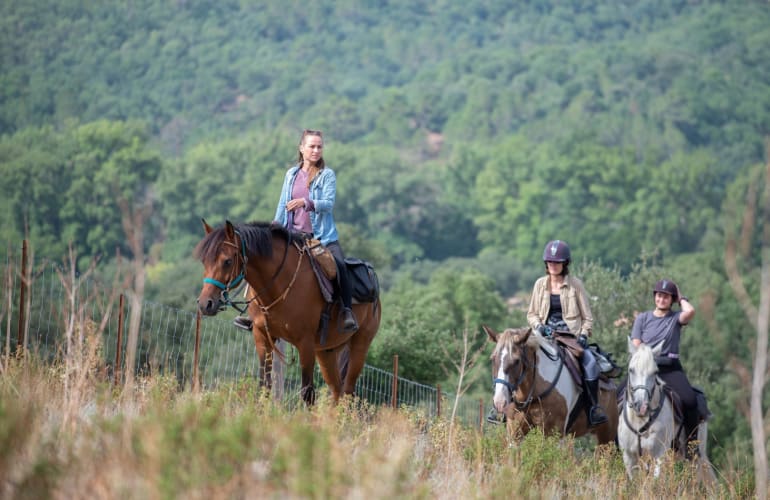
column 465, row 135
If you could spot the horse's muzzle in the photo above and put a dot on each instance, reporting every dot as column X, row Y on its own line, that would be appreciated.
column 209, row 306
column 640, row 408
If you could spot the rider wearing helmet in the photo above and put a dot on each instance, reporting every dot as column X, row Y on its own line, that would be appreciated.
column 560, row 303
column 663, row 326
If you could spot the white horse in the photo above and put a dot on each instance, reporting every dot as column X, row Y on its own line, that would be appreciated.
column 647, row 425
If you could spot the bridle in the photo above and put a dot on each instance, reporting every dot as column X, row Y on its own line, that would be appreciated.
column 227, row 301
column 653, row 415
column 235, row 281
column 525, row 367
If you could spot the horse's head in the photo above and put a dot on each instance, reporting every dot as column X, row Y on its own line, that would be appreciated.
column 509, row 363
column 641, row 383
column 222, row 253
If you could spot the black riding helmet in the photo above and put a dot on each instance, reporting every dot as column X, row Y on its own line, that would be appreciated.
column 666, row 286
column 556, row 251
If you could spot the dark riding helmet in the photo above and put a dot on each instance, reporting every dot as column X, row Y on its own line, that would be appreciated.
column 556, row 251
column 667, row 286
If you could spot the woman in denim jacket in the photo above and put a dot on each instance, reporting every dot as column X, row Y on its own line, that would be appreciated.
column 306, row 204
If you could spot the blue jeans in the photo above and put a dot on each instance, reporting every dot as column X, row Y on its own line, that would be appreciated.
column 343, row 280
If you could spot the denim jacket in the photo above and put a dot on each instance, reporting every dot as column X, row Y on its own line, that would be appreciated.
column 323, row 191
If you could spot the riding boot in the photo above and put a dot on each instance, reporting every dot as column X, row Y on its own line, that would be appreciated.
column 691, row 428
column 594, row 412
column 349, row 323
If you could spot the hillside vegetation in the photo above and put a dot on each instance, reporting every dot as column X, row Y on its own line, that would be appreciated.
column 465, row 135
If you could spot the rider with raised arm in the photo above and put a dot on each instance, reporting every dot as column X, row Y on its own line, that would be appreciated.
column 560, row 303
column 663, row 326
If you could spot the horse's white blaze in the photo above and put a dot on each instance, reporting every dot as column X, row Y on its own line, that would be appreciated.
column 502, row 394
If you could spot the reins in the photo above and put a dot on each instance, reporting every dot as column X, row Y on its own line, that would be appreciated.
column 522, row 405
column 266, row 308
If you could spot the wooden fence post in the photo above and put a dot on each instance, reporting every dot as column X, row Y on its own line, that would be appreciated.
column 196, row 353
column 21, row 344
column 481, row 415
column 119, row 343
column 394, row 388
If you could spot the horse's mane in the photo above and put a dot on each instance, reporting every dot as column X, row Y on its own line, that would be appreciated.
column 507, row 340
column 643, row 361
column 257, row 239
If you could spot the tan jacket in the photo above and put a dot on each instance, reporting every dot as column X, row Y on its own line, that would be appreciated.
column 574, row 304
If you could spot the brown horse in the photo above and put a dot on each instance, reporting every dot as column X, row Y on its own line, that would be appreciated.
column 533, row 388
column 285, row 302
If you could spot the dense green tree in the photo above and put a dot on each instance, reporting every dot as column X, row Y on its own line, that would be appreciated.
column 113, row 171
column 36, row 174
column 424, row 322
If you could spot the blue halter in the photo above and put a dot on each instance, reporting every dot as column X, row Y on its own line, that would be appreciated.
column 234, row 283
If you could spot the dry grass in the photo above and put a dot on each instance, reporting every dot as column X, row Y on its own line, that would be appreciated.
column 65, row 433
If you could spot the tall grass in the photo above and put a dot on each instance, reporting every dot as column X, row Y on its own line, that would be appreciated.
column 235, row 442
column 67, row 432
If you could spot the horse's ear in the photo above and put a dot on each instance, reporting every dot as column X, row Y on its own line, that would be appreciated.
column 206, row 227
column 229, row 230
column 521, row 335
column 490, row 333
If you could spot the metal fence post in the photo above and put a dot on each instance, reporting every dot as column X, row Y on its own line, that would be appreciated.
column 438, row 400
column 119, row 343
column 196, row 353
column 394, row 388
column 21, row 345
column 481, row 415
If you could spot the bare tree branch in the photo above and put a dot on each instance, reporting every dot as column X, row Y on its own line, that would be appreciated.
column 734, row 277
column 759, row 317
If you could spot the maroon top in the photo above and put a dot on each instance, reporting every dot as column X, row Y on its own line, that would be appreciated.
column 301, row 218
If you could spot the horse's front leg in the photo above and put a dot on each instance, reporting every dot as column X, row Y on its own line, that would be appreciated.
column 631, row 461
column 265, row 355
column 656, row 469
column 264, row 348
column 307, row 364
column 516, row 425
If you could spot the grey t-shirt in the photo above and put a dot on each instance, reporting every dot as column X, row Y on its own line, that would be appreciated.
column 651, row 330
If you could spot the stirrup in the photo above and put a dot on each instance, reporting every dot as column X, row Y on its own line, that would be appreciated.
column 493, row 417
column 243, row 323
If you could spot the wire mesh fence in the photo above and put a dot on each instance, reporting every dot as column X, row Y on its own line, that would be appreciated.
column 52, row 304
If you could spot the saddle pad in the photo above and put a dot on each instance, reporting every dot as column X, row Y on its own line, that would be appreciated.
column 675, row 401
column 363, row 280
column 572, row 364
column 571, row 343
